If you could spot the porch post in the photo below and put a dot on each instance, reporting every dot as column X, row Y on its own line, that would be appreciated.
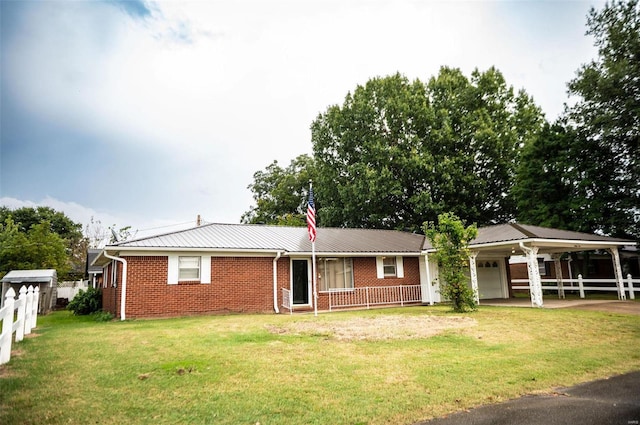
column 427, row 286
column 535, row 286
column 474, row 275
column 618, row 272
column 558, row 267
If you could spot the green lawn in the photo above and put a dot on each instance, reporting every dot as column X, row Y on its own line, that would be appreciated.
column 245, row 369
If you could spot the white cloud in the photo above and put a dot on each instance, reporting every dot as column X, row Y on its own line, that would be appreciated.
column 140, row 227
column 221, row 89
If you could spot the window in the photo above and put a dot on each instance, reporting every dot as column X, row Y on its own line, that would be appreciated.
column 335, row 273
column 389, row 266
column 188, row 268
column 192, row 268
column 542, row 267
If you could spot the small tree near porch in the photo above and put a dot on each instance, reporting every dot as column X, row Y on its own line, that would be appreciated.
column 451, row 240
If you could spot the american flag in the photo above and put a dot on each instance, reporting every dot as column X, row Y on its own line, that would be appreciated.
column 311, row 217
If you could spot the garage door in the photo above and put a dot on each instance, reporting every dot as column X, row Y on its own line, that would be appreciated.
column 490, row 283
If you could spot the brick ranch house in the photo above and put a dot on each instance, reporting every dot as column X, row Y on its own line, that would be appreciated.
column 258, row 268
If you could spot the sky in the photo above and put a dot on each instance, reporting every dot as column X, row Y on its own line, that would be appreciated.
column 148, row 114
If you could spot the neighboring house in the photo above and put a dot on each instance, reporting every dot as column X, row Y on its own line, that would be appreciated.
column 93, row 273
column 46, row 280
column 248, row 268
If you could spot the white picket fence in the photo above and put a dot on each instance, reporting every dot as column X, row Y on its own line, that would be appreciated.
column 24, row 310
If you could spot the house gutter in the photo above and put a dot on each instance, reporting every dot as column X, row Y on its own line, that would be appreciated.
column 123, row 296
column 275, row 281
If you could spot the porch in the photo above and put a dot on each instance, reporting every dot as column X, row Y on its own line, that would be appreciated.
column 361, row 297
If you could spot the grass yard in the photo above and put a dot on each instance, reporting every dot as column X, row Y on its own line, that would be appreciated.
column 388, row 366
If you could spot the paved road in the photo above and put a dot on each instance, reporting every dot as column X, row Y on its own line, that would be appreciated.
column 614, row 401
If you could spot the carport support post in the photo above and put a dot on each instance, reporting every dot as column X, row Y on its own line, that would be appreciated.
column 535, row 286
column 558, row 268
column 617, row 268
column 474, row 275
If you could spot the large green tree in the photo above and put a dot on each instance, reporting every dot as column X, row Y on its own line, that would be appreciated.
column 398, row 153
column 37, row 248
column 546, row 183
column 39, row 238
column 281, row 193
column 606, row 118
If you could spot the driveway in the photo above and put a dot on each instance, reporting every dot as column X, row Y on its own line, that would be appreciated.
column 615, row 401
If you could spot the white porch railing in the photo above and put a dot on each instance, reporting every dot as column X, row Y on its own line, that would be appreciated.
column 374, row 295
column 27, row 317
column 581, row 285
column 286, row 300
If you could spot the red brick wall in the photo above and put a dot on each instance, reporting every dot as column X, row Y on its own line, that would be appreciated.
column 519, row 270
column 238, row 284
column 365, row 273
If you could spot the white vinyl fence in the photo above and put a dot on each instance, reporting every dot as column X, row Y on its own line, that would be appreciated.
column 581, row 285
column 24, row 310
column 70, row 289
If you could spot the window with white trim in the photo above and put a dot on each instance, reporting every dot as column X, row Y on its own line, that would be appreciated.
column 335, row 273
column 188, row 268
column 389, row 266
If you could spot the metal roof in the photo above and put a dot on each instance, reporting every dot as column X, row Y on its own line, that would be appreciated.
column 248, row 237
column 502, row 238
column 19, row 276
column 91, row 256
column 517, row 232
column 555, row 239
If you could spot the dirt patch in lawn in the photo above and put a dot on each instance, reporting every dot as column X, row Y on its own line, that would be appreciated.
column 377, row 328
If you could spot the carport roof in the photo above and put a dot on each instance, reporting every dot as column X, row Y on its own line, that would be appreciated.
column 505, row 238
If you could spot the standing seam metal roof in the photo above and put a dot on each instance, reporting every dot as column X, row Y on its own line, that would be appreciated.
column 338, row 240
column 280, row 238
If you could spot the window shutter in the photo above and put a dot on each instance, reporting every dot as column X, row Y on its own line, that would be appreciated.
column 380, row 267
column 172, row 275
column 205, row 269
column 399, row 267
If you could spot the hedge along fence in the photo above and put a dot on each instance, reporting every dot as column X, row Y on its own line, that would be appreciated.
column 26, row 318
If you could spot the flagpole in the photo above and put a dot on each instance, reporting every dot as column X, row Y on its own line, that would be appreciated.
column 315, row 278
column 313, row 267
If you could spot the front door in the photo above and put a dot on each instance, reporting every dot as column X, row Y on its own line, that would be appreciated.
column 300, row 281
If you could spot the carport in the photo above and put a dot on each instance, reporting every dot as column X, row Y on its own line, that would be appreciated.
column 490, row 251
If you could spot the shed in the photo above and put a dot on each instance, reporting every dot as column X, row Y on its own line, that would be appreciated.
column 47, row 280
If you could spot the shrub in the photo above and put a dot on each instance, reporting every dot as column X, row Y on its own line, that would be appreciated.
column 102, row 316
column 86, row 302
column 451, row 239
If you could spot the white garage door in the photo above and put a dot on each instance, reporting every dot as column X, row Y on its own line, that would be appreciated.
column 490, row 283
